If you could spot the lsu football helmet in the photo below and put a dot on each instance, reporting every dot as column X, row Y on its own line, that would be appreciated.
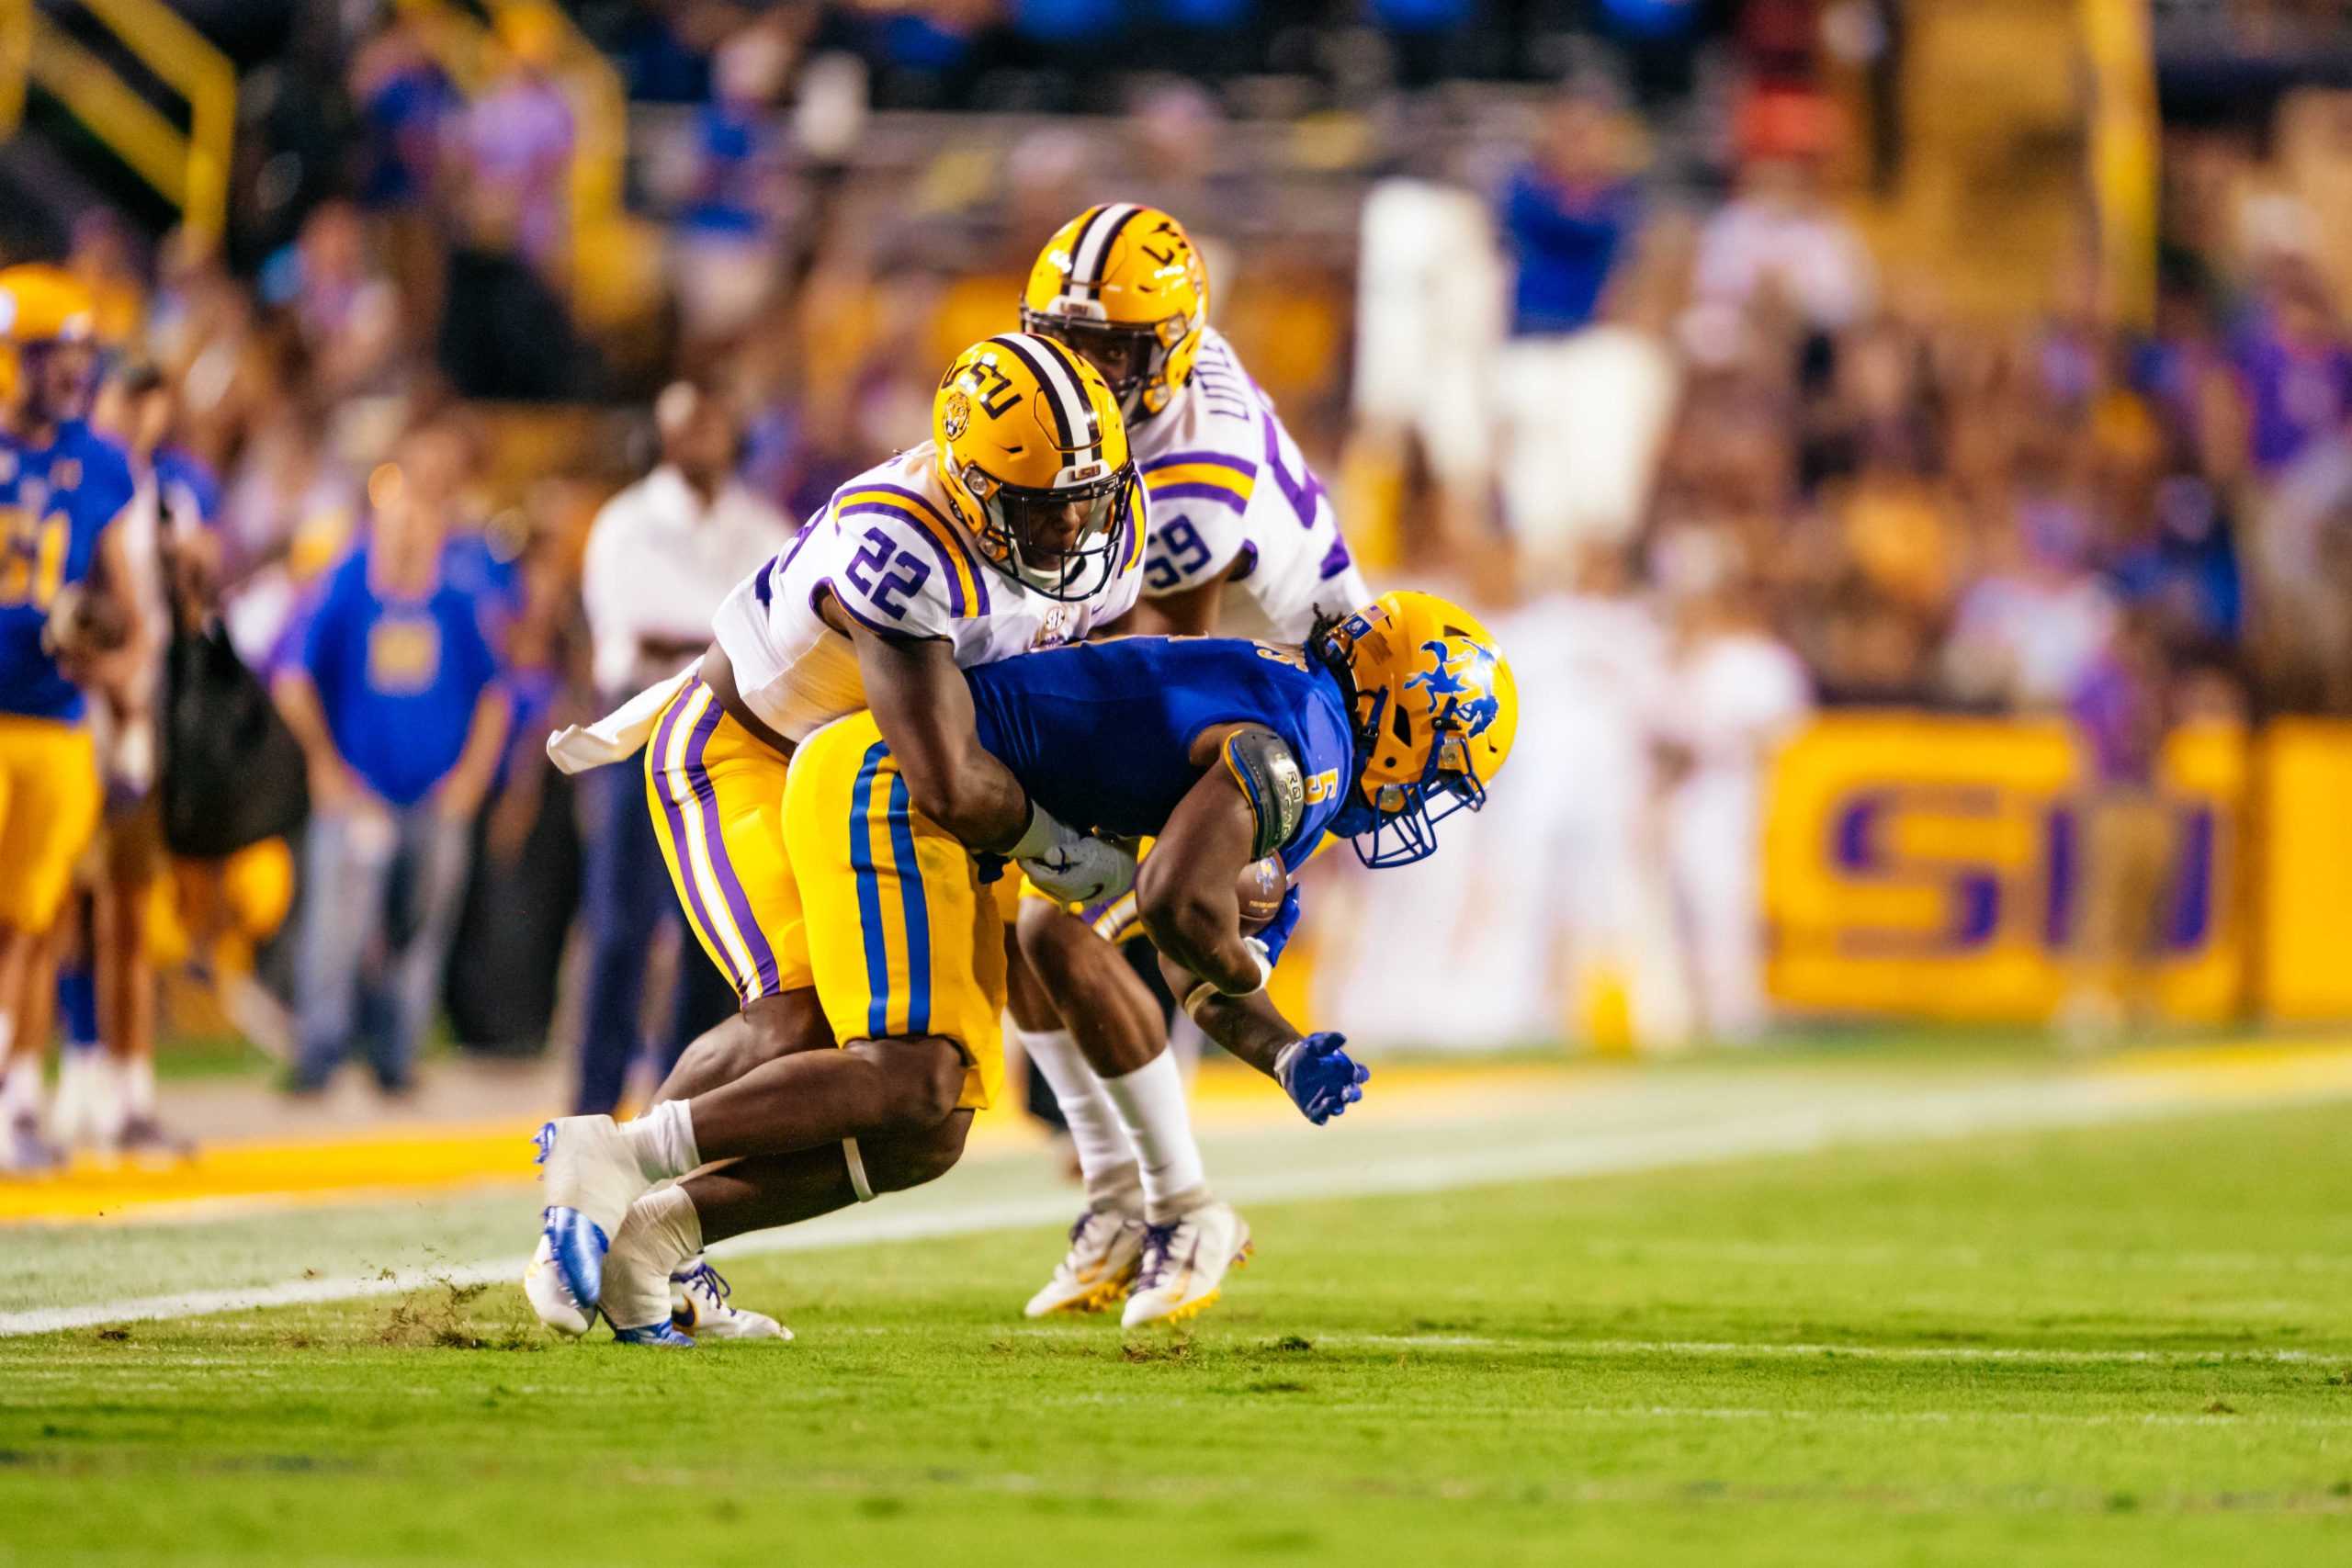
column 1436, row 710
column 1033, row 454
column 43, row 308
column 1123, row 284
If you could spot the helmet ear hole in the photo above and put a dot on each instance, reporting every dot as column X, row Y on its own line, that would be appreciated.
column 1400, row 724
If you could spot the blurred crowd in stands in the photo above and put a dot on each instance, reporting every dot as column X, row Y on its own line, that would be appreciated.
column 1702, row 401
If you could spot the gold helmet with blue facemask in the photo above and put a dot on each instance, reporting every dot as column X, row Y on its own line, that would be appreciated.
column 1435, row 709
column 1033, row 454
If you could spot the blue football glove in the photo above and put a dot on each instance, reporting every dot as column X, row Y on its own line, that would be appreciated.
column 1319, row 1075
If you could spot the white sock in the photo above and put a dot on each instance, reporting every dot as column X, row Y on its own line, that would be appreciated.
column 1151, row 1105
column 1104, row 1154
column 672, row 1228
column 20, row 1087
column 89, row 1102
column 139, row 1085
column 663, row 1141
column 660, row 1232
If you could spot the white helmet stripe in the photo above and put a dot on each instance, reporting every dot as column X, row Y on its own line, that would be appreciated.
column 1086, row 257
column 1089, row 431
column 1073, row 412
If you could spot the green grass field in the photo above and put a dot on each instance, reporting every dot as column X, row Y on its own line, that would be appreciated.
column 2129, row 1343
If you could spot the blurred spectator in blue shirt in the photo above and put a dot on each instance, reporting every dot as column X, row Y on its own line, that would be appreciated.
column 1569, row 217
column 394, row 694
column 2184, row 569
column 406, row 105
column 738, row 207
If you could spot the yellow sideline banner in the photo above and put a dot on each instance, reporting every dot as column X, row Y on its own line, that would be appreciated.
column 2306, row 951
column 1925, row 866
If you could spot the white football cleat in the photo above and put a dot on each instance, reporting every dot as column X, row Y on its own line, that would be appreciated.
column 1184, row 1265
column 550, row 1296
column 699, row 1308
column 1106, row 1248
column 24, row 1152
column 592, row 1177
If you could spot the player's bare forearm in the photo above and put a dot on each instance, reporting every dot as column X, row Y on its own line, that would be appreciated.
column 925, row 709
column 1250, row 1027
column 1185, row 889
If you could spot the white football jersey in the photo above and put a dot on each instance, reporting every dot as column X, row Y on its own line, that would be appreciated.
column 1229, row 488
column 889, row 550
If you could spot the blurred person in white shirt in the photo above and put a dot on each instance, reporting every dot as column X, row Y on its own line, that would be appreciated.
column 661, row 555
column 1778, row 240
column 1736, row 694
column 1580, row 889
column 2027, row 635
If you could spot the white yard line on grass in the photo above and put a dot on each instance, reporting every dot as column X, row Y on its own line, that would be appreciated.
column 1878, row 1118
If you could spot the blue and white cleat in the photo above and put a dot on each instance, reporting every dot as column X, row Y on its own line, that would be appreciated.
column 550, row 1296
column 590, row 1177
column 662, row 1333
column 698, row 1306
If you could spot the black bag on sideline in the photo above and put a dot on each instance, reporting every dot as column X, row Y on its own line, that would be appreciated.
column 232, row 772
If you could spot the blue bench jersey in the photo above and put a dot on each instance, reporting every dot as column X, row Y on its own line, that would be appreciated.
column 54, row 501
column 1101, row 733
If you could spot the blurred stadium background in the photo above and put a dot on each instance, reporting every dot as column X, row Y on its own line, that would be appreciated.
column 1872, row 1087
column 1903, row 446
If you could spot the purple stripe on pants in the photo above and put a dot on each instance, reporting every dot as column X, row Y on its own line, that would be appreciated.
column 763, row 955
column 678, row 840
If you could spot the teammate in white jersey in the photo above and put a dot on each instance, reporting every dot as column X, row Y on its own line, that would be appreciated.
column 1243, row 542
column 1020, row 526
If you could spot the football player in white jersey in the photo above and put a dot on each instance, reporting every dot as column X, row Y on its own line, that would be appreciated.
column 1243, row 542
column 1020, row 526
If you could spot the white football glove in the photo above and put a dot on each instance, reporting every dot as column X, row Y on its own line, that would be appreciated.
column 1083, row 870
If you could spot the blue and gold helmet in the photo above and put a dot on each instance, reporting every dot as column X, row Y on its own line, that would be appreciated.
column 42, row 307
column 1436, row 710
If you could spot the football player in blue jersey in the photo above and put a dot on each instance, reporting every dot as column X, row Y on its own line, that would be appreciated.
column 1228, row 751
column 67, row 619
column 1245, row 541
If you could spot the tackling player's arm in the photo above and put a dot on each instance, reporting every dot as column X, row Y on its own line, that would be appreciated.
column 919, row 698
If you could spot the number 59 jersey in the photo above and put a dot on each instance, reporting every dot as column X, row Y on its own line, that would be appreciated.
column 1230, row 490
column 889, row 550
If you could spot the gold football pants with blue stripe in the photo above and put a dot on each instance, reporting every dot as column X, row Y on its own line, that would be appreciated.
column 902, row 936
column 49, row 800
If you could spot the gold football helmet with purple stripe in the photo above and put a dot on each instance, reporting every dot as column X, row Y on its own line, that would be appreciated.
column 1033, row 454
column 1123, row 285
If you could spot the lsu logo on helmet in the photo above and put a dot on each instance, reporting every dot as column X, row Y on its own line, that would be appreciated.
column 1032, row 455
column 1123, row 284
column 1436, row 711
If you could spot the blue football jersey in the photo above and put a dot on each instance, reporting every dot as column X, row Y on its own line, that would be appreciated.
column 1101, row 733
column 54, row 503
